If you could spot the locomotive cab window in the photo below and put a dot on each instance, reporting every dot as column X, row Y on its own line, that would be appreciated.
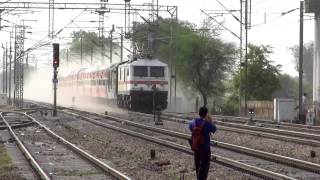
column 140, row 71
column 157, row 71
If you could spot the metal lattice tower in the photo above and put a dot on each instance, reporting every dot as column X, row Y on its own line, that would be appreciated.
column 51, row 19
column 103, row 9
column 1, row 10
column 101, row 27
column 127, row 22
column 18, row 65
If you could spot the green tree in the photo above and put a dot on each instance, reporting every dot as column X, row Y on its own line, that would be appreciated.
column 263, row 77
column 307, row 60
column 88, row 41
column 201, row 59
column 290, row 87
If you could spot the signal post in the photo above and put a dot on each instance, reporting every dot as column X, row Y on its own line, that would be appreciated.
column 55, row 63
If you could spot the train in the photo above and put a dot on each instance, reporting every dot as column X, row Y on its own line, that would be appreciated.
column 138, row 85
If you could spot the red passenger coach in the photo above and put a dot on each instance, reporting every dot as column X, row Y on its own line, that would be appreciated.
column 137, row 85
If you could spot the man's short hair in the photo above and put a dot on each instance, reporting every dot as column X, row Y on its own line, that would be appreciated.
column 203, row 111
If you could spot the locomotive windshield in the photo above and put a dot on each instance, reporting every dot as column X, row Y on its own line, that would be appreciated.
column 140, row 71
column 157, row 71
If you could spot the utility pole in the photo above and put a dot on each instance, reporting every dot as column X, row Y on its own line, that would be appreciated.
column 91, row 55
column 3, row 69
column 171, row 65
column 175, row 68
column 121, row 44
column 15, row 66
column 10, row 71
column 111, row 41
column 68, row 55
column 301, row 114
column 27, row 61
column 81, row 49
column 246, row 61
column 6, row 64
column 241, row 56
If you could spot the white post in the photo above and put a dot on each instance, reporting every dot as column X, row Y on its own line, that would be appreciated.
column 316, row 69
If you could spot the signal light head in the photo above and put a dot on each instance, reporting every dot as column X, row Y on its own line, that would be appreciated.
column 56, row 56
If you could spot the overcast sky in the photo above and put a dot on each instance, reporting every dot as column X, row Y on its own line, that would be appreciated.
column 269, row 26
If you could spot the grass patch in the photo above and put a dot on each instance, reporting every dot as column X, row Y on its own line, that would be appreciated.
column 5, row 160
column 173, row 175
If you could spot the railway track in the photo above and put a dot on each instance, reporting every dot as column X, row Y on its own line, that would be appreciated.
column 49, row 154
column 260, row 172
column 280, row 134
column 261, row 122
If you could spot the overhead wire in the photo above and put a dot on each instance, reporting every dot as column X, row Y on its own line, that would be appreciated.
column 229, row 11
column 275, row 18
column 42, row 42
column 220, row 24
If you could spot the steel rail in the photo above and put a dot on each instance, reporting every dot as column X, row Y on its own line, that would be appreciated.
column 257, row 153
column 86, row 155
column 216, row 158
column 265, row 155
column 245, row 119
column 271, row 130
column 282, row 125
column 34, row 164
column 252, row 130
column 17, row 125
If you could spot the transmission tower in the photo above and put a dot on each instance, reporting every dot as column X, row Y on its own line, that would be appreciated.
column 18, row 65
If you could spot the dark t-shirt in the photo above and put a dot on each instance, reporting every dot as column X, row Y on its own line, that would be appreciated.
column 207, row 129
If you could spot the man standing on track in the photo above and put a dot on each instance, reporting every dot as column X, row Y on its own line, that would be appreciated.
column 200, row 142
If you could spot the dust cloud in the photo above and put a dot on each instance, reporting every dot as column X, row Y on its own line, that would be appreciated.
column 39, row 84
